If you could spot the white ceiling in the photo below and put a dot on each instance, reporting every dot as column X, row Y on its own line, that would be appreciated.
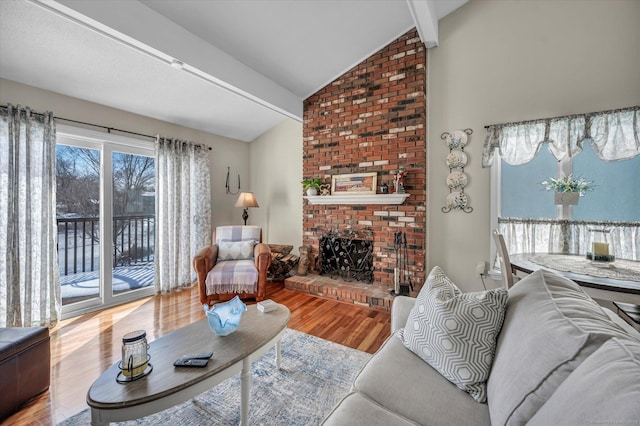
column 247, row 63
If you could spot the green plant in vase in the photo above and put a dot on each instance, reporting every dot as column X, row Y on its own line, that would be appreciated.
column 568, row 188
column 311, row 186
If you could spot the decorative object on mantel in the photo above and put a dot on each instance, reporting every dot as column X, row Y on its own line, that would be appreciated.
column 398, row 180
column 311, row 186
column 384, row 188
column 325, row 189
column 354, row 183
column 457, row 179
column 568, row 189
column 613, row 135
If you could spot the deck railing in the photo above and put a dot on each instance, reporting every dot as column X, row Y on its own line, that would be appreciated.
column 79, row 242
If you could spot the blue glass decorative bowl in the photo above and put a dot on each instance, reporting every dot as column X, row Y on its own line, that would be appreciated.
column 224, row 318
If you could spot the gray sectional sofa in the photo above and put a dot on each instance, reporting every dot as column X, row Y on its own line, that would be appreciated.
column 560, row 359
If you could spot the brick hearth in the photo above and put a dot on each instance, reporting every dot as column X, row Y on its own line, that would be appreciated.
column 352, row 292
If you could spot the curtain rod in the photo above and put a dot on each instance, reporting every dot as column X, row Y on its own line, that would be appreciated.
column 109, row 129
column 565, row 116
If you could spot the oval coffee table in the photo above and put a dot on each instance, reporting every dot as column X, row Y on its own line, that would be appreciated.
column 167, row 385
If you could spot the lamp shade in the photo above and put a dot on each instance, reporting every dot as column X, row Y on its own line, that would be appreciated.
column 246, row 199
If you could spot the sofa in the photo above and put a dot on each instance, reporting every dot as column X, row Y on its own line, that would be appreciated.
column 559, row 359
column 25, row 360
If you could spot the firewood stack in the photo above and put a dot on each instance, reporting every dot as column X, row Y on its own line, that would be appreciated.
column 282, row 262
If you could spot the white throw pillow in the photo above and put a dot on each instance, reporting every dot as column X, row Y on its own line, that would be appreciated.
column 456, row 332
column 235, row 250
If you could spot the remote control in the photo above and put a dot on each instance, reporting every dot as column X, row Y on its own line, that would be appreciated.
column 191, row 362
column 202, row 355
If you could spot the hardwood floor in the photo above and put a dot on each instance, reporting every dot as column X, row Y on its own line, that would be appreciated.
column 83, row 347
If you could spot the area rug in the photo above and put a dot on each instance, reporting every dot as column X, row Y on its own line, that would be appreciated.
column 315, row 375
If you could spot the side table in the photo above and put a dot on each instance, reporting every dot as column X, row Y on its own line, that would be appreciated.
column 630, row 313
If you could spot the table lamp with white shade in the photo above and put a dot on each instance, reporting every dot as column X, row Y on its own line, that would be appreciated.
column 246, row 200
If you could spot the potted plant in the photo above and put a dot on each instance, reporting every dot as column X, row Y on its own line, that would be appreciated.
column 567, row 189
column 311, row 186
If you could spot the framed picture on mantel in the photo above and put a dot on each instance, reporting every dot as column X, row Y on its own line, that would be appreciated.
column 354, row 184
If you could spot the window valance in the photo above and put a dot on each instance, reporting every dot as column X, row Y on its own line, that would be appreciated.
column 614, row 135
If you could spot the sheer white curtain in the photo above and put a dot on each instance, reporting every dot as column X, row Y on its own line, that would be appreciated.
column 29, row 277
column 614, row 135
column 183, row 209
column 568, row 236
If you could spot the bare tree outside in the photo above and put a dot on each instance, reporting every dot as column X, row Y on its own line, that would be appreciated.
column 78, row 209
column 78, row 181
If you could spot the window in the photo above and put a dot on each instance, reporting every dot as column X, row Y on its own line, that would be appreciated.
column 616, row 196
column 105, row 187
column 601, row 147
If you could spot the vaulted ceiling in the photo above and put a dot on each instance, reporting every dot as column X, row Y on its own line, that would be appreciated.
column 239, row 66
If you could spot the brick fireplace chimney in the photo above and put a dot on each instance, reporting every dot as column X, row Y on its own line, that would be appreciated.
column 372, row 119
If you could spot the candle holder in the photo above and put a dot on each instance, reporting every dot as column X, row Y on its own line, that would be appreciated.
column 601, row 246
column 135, row 359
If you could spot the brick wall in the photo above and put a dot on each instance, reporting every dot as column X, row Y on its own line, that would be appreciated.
column 372, row 119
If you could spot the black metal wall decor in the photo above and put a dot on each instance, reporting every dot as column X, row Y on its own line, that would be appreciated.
column 227, row 183
column 457, row 180
column 347, row 254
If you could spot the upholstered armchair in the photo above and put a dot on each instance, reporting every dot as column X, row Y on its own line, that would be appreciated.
column 236, row 264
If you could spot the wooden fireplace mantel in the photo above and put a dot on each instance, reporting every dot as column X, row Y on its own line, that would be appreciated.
column 357, row 199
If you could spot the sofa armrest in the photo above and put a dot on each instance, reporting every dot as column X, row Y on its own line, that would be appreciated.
column 400, row 311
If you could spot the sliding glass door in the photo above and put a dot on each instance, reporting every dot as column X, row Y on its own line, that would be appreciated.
column 105, row 187
column 78, row 216
column 133, row 209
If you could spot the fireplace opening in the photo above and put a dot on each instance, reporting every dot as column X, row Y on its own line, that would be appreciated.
column 347, row 255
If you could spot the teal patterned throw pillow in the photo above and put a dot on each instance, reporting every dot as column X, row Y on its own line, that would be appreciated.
column 456, row 332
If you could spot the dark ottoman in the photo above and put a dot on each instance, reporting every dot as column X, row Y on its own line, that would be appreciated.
column 25, row 361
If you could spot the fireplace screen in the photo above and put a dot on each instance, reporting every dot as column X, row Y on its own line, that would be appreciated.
column 347, row 256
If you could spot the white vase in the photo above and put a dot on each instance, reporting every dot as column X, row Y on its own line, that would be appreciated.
column 312, row 191
column 567, row 198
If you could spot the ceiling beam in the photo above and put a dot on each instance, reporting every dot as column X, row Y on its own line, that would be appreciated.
column 137, row 26
column 425, row 18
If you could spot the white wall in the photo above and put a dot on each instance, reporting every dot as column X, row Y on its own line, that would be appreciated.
column 276, row 172
column 225, row 152
column 501, row 61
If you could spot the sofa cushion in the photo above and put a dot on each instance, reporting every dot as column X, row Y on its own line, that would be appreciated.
column 237, row 233
column 356, row 410
column 612, row 374
column 456, row 332
column 550, row 327
column 399, row 380
column 235, row 250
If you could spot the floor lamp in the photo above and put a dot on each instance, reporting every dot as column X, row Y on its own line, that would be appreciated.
column 246, row 200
